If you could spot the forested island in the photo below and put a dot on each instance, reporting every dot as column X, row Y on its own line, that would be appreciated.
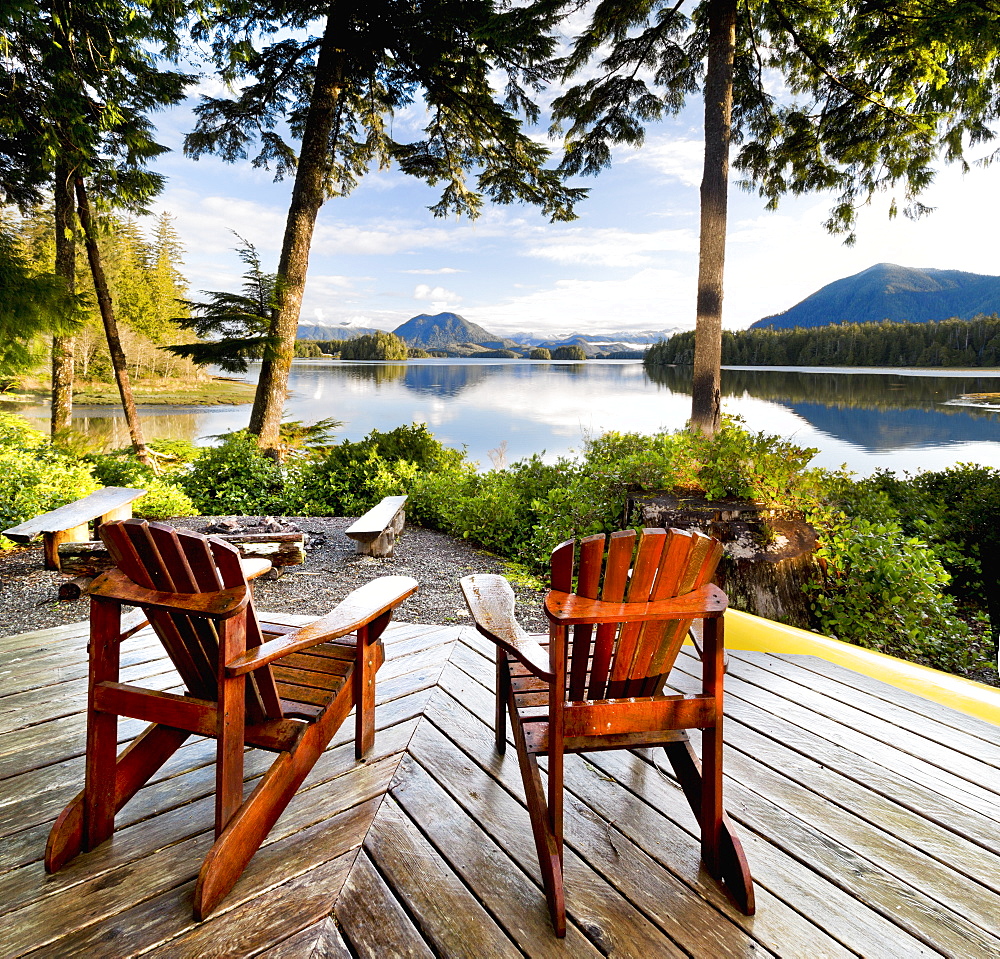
column 949, row 343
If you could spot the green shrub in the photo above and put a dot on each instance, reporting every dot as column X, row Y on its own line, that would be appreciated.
column 164, row 497
column 884, row 590
column 34, row 481
column 235, row 478
column 352, row 476
column 957, row 511
column 16, row 432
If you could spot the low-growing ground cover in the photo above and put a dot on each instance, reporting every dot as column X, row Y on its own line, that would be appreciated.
column 904, row 565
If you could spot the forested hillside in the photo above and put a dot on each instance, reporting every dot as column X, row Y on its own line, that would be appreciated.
column 146, row 284
column 897, row 293
column 954, row 343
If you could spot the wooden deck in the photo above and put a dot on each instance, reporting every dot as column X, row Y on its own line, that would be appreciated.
column 871, row 819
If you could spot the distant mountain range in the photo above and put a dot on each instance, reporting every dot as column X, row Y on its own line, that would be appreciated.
column 343, row 332
column 455, row 335
column 898, row 293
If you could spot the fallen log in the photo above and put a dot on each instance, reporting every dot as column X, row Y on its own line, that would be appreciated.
column 84, row 559
column 282, row 549
column 75, row 588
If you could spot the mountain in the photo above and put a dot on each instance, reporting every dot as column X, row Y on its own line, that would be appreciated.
column 343, row 332
column 600, row 341
column 445, row 329
column 889, row 292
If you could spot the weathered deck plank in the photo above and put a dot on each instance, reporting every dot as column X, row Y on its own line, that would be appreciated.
column 869, row 817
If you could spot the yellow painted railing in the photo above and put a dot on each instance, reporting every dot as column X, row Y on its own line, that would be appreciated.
column 744, row 631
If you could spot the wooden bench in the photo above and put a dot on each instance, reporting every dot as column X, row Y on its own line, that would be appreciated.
column 69, row 523
column 375, row 533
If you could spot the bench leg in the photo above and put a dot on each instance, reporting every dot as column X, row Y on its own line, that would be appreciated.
column 51, row 541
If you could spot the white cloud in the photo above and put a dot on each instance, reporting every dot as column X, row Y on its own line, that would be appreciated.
column 612, row 247
column 649, row 299
column 443, row 270
column 678, row 158
column 438, row 297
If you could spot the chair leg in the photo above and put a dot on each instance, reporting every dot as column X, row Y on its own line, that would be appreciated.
column 503, row 694
column 133, row 769
column 230, row 725
column 547, row 842
column 725, row 859
column 251, row 823
column 366, row 664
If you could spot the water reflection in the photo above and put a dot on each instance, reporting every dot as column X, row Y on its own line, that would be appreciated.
column 897, row 420
column 892, row 390
column 875, row 412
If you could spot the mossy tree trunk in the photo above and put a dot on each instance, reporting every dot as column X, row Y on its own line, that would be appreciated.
column 706, row 397
column 63, row 347
column 308, row 194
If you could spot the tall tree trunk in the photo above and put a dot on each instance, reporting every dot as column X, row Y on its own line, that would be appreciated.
column 307, row 198
column 63, row 347
column 118, row 361
column 706, row 395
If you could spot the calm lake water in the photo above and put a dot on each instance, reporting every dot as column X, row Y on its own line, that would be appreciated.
column 904, row 420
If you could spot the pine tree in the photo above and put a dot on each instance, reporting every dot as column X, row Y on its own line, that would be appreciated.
column 335, row 73
column 79, row 80
column 879, row 92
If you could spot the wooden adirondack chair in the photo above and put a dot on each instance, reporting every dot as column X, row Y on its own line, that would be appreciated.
column 247, row 682
column 602, row 688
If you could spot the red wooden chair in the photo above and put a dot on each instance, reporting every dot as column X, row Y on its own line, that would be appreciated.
column 603, row 688
column 279, row 688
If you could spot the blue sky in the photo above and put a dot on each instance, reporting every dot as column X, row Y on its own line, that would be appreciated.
column 628, row 263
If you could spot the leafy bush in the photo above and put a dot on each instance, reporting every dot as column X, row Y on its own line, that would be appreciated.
column 352, row 476
column 957, row 511
column 163, row 499
column 236, row 478
column 500, row 510
column 885, row 590
column 34, row 477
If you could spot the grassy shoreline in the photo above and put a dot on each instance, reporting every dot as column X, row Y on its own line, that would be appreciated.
column 218, row 391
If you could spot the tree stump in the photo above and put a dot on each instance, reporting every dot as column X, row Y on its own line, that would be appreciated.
column 768, row 552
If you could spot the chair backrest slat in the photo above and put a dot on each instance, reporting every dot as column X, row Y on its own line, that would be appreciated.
column 619, row 561
column 588, row 583
column 705, row 556
column 632, row 659
column 646, row 565
column 159, row 557
column 674, row 567
column 263, row 687
column 187, row 655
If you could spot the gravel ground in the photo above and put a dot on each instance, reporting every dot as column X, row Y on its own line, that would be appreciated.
column 28, row 593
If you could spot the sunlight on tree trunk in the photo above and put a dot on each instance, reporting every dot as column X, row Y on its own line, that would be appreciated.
column 63, row 347
column 706, row 394
column 307, row 198
column 118, row 361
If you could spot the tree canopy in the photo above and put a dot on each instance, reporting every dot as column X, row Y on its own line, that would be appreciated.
column 33, row 302
column 374, row 346
column 233, row 327
column 333, row 75
column 855, row 97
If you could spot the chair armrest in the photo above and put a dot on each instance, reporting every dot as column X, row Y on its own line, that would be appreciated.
column 359, row 608
column 114, row 586
column 491, row 602
column 568, row 609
